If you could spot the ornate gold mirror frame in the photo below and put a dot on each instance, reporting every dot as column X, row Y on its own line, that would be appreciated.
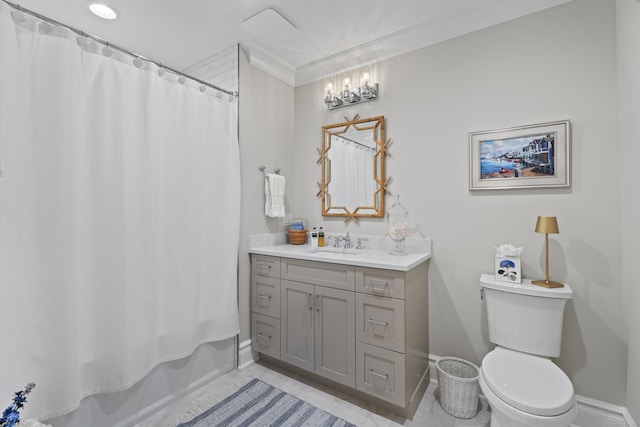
column 347, row 151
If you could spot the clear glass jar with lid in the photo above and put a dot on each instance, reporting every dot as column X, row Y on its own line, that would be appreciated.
column 398, row 220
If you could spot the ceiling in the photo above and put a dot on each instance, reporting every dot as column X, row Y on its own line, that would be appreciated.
column 328, row 36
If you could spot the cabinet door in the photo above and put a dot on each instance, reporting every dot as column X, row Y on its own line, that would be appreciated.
column 265, row 335
column 263, row 265
column 380, row 282
column 265, row 295
column 335, row 335
column 380, row 321
column 381, row 373
column 296, row 309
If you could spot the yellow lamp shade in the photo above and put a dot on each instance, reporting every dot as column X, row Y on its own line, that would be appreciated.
column 547, row 224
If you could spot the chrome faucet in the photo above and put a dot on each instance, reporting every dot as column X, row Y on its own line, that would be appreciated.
column 347, row 241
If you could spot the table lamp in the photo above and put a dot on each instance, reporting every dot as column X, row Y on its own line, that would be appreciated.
column 547, row 225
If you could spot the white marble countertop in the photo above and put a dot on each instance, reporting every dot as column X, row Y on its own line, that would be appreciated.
column 376, row 255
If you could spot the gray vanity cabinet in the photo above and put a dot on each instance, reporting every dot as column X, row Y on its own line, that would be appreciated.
column 365, row 328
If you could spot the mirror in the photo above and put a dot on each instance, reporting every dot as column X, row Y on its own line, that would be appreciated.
column 352, row 158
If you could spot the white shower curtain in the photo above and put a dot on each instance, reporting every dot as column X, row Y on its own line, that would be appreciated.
column 119, row 218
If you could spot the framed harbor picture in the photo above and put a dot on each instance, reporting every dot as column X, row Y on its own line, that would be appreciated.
column 532, row 156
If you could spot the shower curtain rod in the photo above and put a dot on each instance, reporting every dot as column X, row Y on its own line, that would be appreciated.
column 116, row 47
column 356, row 142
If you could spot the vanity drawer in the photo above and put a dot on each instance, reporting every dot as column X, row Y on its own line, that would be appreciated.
column 263, row 265
column 265, row 335
column 380, row 373
column 380, row 321
column 319, row 273
column 377, row 281
column 265, row 295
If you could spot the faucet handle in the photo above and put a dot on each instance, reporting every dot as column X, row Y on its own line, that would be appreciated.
column 359, row 242
column 347, row 241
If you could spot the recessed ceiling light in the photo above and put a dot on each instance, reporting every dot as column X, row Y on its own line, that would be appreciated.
column 103, row 11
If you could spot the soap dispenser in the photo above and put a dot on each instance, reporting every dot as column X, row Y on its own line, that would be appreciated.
column 314, row 238
column 321, row 238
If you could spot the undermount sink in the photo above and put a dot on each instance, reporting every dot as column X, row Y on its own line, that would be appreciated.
column 332, row 250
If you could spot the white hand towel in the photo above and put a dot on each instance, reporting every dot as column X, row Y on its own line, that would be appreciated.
column 274, row 195
column 267, row 197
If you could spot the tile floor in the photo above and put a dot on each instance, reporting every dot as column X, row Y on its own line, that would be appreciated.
column 360, row 413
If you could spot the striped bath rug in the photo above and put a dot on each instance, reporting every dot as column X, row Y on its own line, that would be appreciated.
column 260, row 404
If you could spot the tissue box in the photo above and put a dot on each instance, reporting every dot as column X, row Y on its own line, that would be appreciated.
column 508, row 269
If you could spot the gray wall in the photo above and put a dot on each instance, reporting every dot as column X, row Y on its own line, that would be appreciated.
column 553, row 65
column 628, row 36
column 266, row 137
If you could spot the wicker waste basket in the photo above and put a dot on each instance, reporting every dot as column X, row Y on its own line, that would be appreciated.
column 458, row 384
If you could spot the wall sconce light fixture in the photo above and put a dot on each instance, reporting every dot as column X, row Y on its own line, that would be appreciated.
column 351, row 95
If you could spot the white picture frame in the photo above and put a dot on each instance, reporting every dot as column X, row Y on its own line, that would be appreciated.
column 531, row 156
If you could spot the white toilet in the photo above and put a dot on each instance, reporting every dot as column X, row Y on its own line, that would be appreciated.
column 522, row 385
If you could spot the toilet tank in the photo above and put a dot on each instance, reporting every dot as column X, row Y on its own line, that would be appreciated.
column 525, row 317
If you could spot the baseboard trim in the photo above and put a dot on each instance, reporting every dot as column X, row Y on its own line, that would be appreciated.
column 167, row 401
column 245, row 355
column 591, row 412
column 596, row 413
column 628, row 418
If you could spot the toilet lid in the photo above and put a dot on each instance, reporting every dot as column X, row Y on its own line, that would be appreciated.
column 532, row 384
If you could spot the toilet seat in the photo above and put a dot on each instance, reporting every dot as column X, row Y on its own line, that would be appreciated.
column 532, row 384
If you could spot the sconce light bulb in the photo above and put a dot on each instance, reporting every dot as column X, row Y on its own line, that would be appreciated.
column 365, row 78
column 347, row 82
column 328, row 98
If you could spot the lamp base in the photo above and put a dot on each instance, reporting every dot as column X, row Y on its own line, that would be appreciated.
column 547, row 284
